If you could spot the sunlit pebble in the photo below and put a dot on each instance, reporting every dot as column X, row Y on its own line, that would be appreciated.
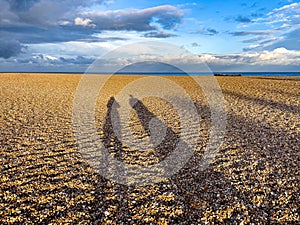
column 248, row 178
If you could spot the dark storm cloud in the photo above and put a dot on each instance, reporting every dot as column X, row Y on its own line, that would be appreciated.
column 51, row 12
column 52, row 21
column 166, row 16
column 160, row 34
column 10, row 48
column 7, row 17
column 45, row 13
column 55, row 34
column 21, row 5
column 40, row 12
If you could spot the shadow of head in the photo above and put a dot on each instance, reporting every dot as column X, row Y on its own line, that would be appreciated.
column 133, row 101
column 112, row 101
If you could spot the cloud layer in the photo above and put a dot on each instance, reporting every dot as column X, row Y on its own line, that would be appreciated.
column 279, row 59
column 58, row 34
column 166, row 16
column 52, row 21
column 285, row 32
column 10, row 48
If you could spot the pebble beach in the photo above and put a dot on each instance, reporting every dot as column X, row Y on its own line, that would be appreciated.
column 254, row 178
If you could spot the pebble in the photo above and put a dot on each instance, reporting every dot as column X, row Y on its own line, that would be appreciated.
column 253, row 180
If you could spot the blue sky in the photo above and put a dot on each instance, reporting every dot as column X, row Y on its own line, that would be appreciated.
column 68, row 35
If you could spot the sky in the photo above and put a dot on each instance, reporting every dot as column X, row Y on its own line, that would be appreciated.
column 69, row 35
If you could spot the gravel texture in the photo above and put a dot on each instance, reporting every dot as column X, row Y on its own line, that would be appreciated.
column 254, row 178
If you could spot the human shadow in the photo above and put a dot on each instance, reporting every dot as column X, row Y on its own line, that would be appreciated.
column 110, row 139
column 114, row 145
column 155, row 128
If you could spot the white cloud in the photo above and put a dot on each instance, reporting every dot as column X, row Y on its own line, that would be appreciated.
column 279, row 56
column 83, row 22
column 293, row 6
column 284, row 23
column 268, row 60
column 64, row 23
column 285, row 16
column 279, row 59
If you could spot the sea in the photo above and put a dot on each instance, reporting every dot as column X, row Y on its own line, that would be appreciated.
column 250, row 74
column 281, row 74
column 284, row 74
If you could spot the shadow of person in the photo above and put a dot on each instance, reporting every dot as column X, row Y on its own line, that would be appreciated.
column 114, row 145
column 110, row 139
column 161, row 135
column 165, row 145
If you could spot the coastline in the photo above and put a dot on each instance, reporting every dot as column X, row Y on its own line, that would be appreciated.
column 244, row 74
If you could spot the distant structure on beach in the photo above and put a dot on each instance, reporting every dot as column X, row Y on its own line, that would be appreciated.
column 227, row 75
